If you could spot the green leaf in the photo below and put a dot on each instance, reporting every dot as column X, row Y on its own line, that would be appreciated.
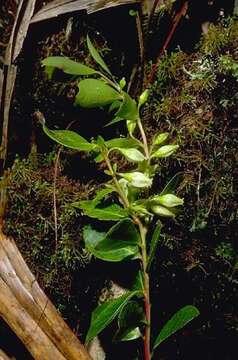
column 130, row 334
column 143, row 98
column 49, row 71
column 119, row 243
column 68, row 66
column 95, row 93
column 132, row 314
column 133, row 12
column 139, row 282
column 131, row 126
column 112, row 212
column 140, row 209
column 177, row 322
column 104, row 314
column 154, row 243
column 128, row 109
column 124, row 143
column 69, row 139
column 165, row 151
column 160, row 138
column 99, row 158
column 129, row 319
column 133, row 155
column 91, row 204
column 96, row 56
column 115, row 120
column 100, row 195
column 92, row 237
column 114, row 106
column 172, row 184
column 101, row 142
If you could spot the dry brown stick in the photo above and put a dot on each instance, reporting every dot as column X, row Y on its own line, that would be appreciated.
column 22, row 20
column 24, row 326
column 3, row 356
column 7, row 92
column 16, row 275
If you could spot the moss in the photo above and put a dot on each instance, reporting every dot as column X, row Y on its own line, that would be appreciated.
column 221, row 37
column 194, row 99
column 30, row 221
column 169, row 70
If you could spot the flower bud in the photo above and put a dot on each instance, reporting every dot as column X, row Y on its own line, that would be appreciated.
column 162, row 211
column 143, row 97
column 122, row 83
column 131, row 125
column 141, row 210
column 168, row 200
column 137, row 179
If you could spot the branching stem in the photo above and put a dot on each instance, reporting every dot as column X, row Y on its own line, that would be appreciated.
column 143, row 232
column 144, row 139
column 116, row 183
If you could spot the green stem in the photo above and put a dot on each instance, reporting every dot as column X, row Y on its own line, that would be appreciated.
column 143, row 231
column 144, row 139
column 116, row 183
column 110, row 82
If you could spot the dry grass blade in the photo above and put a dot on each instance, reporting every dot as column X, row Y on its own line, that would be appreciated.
column 24, row 14
column 60, row 7
column 7, row 92
column 105, row 4
column 1, row 85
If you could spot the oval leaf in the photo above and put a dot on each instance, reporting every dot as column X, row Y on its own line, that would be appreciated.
column 119, row 243
column 160, row 138
column 95, row 93
column 128, row 109
column 68, row 66
column 177, row 322
column 112, row 212
column 96, row 56
column 165, row 151
column 104, row 314
column 124, row 143
column 69, row 139
column 133, row 155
